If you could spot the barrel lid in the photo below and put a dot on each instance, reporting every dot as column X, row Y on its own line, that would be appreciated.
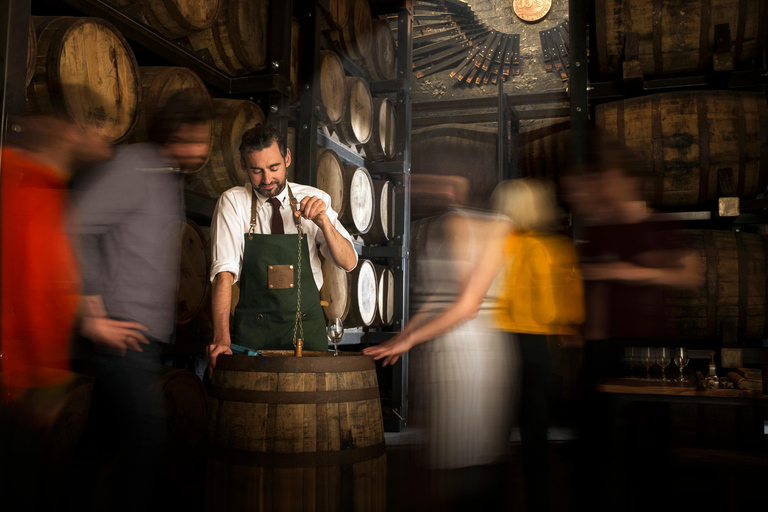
column 283, row 361
column 366, row 291
column 361, row 195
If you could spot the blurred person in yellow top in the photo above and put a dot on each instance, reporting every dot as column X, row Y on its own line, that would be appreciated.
column 542, row 294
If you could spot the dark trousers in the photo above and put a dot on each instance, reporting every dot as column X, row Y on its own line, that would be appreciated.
column 535, row 417
column 623, row 444
column 125, row 440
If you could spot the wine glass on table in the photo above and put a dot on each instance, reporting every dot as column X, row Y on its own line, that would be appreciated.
column 663, row 358
column 335, row 332
column 681, row 360
column 632, row 359
column 648, row 360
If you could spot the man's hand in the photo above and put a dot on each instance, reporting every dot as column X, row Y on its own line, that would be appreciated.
column 212, row 352
column 391, row 350
column 114, row 336
column 313, row 208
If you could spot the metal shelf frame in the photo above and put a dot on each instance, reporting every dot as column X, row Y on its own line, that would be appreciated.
column 310, row 138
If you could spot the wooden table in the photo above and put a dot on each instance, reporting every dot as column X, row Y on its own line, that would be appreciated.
column 684, row 392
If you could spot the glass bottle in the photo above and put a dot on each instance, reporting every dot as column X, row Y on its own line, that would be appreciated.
column 712, row 376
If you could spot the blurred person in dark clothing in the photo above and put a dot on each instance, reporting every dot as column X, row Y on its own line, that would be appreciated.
column 131, row 216
column 631, row 259
column 40, row 296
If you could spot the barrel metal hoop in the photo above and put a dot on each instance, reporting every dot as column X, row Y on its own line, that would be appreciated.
column 658, row 150
column 330, row 396
column 741, row 255
column 742, row 23
column 703, row 125
column 710, row 250
column 298, row 460
column 764, row 240
column 741, row 139
column 306, row 364
column 704, row 26
column 658, row 37
column 762, row 29
column 762, row 116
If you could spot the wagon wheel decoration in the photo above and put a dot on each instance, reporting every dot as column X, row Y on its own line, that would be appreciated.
column 449, row 35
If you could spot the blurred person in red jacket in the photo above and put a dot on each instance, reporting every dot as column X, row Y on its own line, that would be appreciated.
column 40, row 296
column 40, row 276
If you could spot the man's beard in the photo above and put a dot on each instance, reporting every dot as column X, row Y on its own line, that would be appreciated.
column 272, row 193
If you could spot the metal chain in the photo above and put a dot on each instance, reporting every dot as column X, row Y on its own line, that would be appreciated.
column 299, row 324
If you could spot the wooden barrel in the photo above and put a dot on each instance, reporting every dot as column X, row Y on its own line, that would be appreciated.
column 691, row 140
column 457, row 150
column 356, row 124
column 296, row 433
column 31, row 52
column 332, row 92
column 677, row 35
column 186, row 411
column 67, row 425
column 158, row 85
column 381, row 145
column 380, row 61
column 178, row 18
column 383, row 227
column 86, row 68
column 543, row 151
column 330, row 178
column 295, row 59
column 194, row 288
column 236, row 42
column 385, row 296
column 354, row 38
column 362, row 290
column 359, row 199
column 232, row 118
column 335, row 291
column 734, row 296
column 336, row 16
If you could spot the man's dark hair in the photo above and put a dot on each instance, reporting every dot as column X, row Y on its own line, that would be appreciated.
column 261, row 137
column 184, row 107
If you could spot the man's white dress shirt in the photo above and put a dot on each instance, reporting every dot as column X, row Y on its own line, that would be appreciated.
column 232, row 220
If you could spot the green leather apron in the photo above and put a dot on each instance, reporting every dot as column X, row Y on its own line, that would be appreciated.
column 265, row 315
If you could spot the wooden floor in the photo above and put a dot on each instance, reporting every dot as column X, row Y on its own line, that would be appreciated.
column 725, row 481
column 487, row 488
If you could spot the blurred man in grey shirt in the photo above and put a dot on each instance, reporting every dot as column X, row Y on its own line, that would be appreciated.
column 131, row 214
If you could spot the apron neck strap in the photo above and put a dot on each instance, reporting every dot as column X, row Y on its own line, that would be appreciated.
column 294, row 208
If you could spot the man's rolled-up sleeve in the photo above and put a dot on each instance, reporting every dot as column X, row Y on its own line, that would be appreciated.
column 226, row 238
column 334, row 218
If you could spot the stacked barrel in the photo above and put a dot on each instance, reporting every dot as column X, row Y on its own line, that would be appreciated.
column 348, row 113
column 691, row 148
